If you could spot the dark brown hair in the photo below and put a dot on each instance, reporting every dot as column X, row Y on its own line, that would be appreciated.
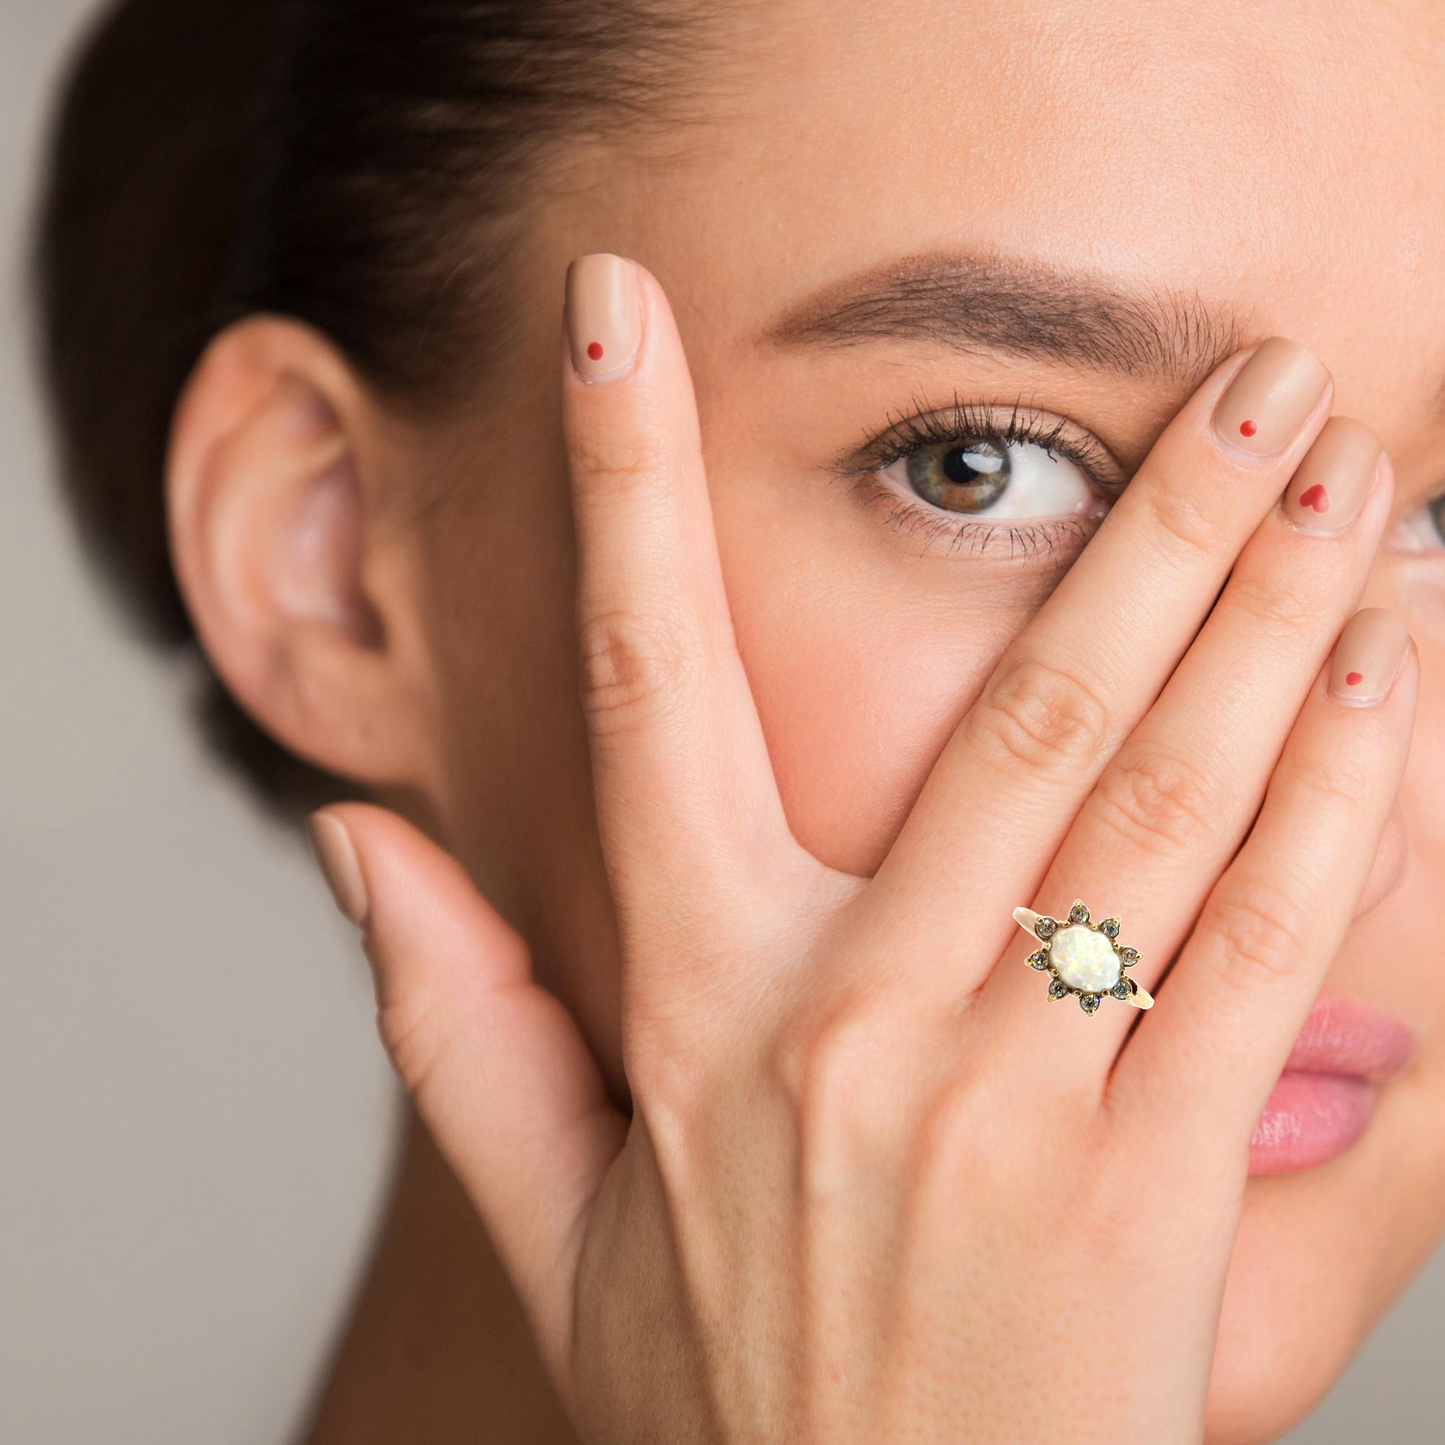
column 366, row 166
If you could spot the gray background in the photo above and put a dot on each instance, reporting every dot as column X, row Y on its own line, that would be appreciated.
column 196, row 1120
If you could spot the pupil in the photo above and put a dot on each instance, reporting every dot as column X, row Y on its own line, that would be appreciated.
column 977, row 462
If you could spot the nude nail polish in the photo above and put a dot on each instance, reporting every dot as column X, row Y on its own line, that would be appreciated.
column 1264, row 407
column 604, row 315
column 1368, row 657
column 336, row 855
column 1328, row 490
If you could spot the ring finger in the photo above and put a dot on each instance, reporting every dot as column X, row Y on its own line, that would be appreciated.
column 1202, row 1068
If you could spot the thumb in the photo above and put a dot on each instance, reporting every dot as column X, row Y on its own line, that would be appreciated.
column 499, row 1070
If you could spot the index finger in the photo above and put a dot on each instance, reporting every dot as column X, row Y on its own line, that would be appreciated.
column 690, row 817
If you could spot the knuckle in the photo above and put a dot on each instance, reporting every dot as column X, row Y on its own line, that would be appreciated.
column 1153, row 796
column 668, row 1082
column 661, row 1053
column 1259, row 929
column 954, row 1133
column 1331, row 774
column 415, row 1038
column 810, row 1055
column 632, row 666
column 959, row 1137
column 827, row 1070
column 1281, row 602
column 1041, row 715
column 617, row 464
column 1187, row 528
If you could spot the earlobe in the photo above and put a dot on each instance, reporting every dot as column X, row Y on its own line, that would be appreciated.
column 268, row 516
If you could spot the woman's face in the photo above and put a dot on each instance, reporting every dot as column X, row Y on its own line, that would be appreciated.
column 1072, row 210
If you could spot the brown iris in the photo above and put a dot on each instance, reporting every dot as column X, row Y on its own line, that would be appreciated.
column 967, row 476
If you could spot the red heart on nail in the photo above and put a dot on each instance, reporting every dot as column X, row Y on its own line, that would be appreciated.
column 1315, row 497
column 1354, row 679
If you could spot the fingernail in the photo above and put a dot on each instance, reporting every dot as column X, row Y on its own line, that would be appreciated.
column 1328, row 491
column 339, row 866
column 1264, row 407
column 1368, row 657
column 604, row 315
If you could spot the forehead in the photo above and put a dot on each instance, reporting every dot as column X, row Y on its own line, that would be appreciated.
column 1285, row 160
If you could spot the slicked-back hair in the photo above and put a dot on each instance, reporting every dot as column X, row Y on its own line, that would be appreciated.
column 366, row 166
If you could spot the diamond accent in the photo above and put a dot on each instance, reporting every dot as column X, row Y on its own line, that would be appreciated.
column 1057, row 988
column 1078, row 913
column 1089, row 1002
column 1046, row 927
column 1128, row 956
column 1039, row 959
column 1124, row 988
column 1110, row 927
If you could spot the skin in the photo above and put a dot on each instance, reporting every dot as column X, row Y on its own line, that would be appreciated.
column 395, row 601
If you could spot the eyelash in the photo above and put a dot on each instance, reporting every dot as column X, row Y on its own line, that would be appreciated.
column 959, row 421
column 1402, row 537
column 1434, row 508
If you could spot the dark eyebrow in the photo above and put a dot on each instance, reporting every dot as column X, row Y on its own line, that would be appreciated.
column 1020, row 308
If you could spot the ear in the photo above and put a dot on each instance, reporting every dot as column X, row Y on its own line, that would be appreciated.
column 273, row 497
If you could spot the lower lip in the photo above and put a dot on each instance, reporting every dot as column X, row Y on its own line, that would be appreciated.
column 1310, row 1119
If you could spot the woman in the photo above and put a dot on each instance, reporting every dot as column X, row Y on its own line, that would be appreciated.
column 991, row 456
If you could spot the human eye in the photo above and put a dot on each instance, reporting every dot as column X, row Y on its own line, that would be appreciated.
column 1422, row 530
column 992, row 477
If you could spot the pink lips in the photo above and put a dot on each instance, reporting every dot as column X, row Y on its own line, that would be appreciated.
column 1326, row 1095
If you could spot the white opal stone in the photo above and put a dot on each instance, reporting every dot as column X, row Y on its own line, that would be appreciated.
column 1084, row 959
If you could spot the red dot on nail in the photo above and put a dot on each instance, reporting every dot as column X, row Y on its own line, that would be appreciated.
column 595, row 351
column 1354, row 679
column 1247, row 428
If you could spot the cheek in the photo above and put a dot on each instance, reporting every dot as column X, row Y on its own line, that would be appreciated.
column 1318, row 1257
column 1287, row 1322
column 858, row 689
